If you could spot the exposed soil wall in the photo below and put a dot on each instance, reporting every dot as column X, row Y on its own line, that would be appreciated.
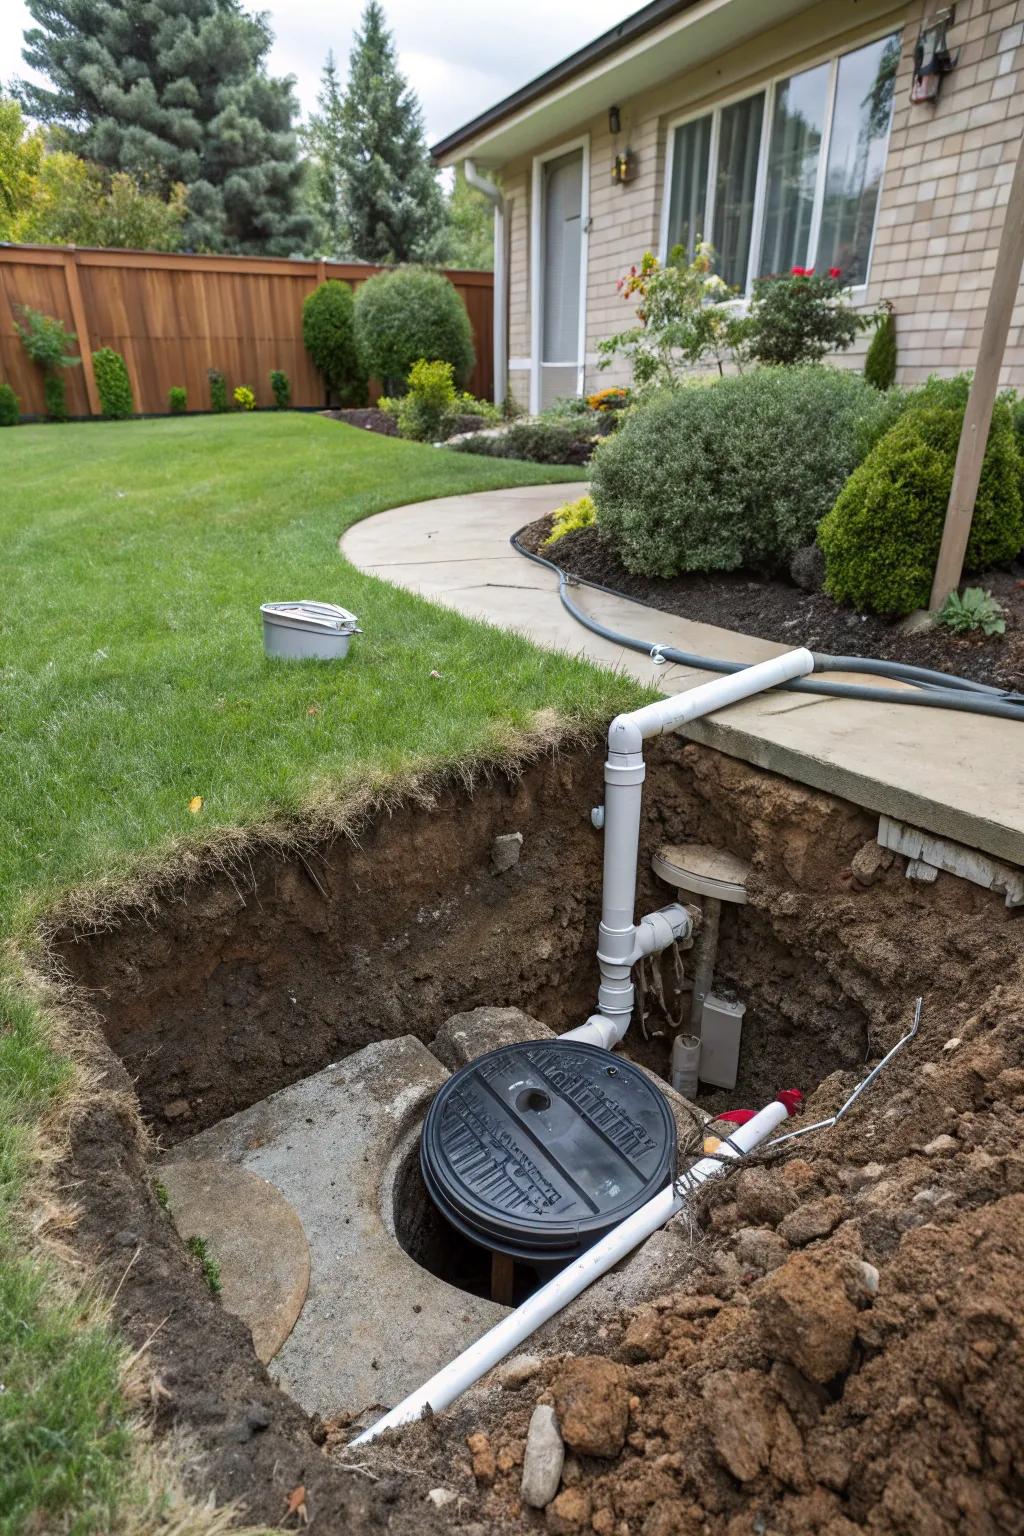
column 228, row 991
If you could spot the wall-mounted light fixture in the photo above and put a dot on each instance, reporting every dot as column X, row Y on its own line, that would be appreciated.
column 932, row 58
column 614, row 120
column 624, row 167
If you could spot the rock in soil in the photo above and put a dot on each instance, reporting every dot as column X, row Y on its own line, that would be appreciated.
column 543, row 1459
column 592, row 1402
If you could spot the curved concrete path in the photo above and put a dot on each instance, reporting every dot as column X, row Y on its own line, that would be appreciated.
column 959, row 776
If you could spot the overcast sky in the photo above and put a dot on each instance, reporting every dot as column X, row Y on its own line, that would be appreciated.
column 459, row 57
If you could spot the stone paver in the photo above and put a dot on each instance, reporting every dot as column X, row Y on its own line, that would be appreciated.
column 956, row 775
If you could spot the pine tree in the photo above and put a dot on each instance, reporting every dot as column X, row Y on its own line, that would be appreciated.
column 393, row 204
column 177, row 91
column 325, row 185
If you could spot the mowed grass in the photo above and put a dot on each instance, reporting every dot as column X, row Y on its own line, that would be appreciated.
column 132, row 679
column 131, row 667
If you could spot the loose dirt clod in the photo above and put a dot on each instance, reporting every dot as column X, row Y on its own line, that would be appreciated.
column 592, row 1403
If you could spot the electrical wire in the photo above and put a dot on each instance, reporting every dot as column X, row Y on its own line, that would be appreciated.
column 933, row 690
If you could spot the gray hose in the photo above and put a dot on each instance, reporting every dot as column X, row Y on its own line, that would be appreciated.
column 935, row 690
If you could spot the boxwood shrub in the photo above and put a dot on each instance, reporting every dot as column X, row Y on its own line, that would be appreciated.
column 113, row 384
column 539, row 442
column 409, row 314
column 328, row 330
column 714, row 477
column 9, row 410
column 881, row 539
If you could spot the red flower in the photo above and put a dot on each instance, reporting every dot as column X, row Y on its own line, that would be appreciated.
column 833, row 271
column 797, row 272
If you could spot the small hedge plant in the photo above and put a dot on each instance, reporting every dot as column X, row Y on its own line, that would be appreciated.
column 244, row 398
column 797, row 319
column 218, row 390
column 10, row 413
column 570, row 518
column 737, row 473
column 881, row 539
column 328, row 330
column 880, row 362
column 113, row 384
column 539, row 442
column 55, row 397
column 280, row 388
column 177, row 400
column 409, row 314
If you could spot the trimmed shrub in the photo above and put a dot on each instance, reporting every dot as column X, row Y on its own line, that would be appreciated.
column 244, row 398
column 56, row 397
column 731, row 474
column 218, row 389
column 113, row 384
column 280, row 388
column 409, row 314
column 880, row 362
column 431, row 396
column 10, row 413
column 539, row 442
column 328, row 330
column 177, row 400
column 881, row 539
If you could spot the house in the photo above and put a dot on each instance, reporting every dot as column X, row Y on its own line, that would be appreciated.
column 876, row 137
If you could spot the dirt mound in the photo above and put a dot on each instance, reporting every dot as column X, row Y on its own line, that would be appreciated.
column 852, row 1361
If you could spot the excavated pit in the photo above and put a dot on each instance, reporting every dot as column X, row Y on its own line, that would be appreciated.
column 228, row 990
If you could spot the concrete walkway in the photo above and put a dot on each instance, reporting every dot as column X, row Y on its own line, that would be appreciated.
column 956, row 775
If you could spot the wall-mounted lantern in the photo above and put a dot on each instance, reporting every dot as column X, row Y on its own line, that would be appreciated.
column 624, row 168
column 932, row 58
column 614, row 121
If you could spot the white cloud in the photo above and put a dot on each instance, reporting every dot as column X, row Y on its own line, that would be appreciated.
column 460, row 58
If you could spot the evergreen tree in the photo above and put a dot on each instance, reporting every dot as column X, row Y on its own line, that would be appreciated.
column 325, row 184
column 177, row 91
column 393, row 204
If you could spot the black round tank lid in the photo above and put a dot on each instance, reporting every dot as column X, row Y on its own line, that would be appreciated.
column 538, row 1149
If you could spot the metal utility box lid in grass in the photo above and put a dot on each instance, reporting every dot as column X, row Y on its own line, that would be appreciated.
column 537, row 1150
column 307, row 630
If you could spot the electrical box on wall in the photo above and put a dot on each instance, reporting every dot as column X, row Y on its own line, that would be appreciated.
column 932, row 58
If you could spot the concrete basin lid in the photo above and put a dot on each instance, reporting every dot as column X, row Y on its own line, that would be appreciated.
column 255, row 1237
column 701, row 870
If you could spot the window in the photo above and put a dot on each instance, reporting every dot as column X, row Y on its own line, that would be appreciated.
column 790, row 176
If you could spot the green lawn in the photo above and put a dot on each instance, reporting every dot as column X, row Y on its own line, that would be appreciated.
column 132, row 679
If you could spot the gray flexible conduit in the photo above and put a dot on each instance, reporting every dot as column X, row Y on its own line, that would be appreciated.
column 935, row 690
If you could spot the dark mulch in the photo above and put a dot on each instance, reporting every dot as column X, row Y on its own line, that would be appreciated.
column 368, row 417
column 775, row 609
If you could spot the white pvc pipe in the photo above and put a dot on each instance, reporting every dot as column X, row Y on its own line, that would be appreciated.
column 450, row 1382
column 624, row 773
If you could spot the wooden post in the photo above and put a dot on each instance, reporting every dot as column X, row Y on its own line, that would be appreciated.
column 80, row 323
column 978, row 415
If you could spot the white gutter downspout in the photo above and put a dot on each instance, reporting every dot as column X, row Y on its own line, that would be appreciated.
column 493, row 195
column 622, row 942
column 450, row 1382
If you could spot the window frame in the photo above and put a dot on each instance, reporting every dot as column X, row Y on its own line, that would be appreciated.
column 769, row 86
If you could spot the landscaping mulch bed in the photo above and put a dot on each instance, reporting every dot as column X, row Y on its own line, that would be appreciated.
column 776, row 609
column 368, row 417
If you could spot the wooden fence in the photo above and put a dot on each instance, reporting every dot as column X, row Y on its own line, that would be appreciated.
column 173, row 317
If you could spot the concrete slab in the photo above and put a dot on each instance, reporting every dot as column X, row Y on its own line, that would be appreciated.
column 959, row 776
column 375, row 1324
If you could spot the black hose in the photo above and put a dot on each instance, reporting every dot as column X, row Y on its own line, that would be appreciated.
column 934, row 690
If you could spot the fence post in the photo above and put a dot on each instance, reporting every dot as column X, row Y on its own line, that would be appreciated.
column 79, row 321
